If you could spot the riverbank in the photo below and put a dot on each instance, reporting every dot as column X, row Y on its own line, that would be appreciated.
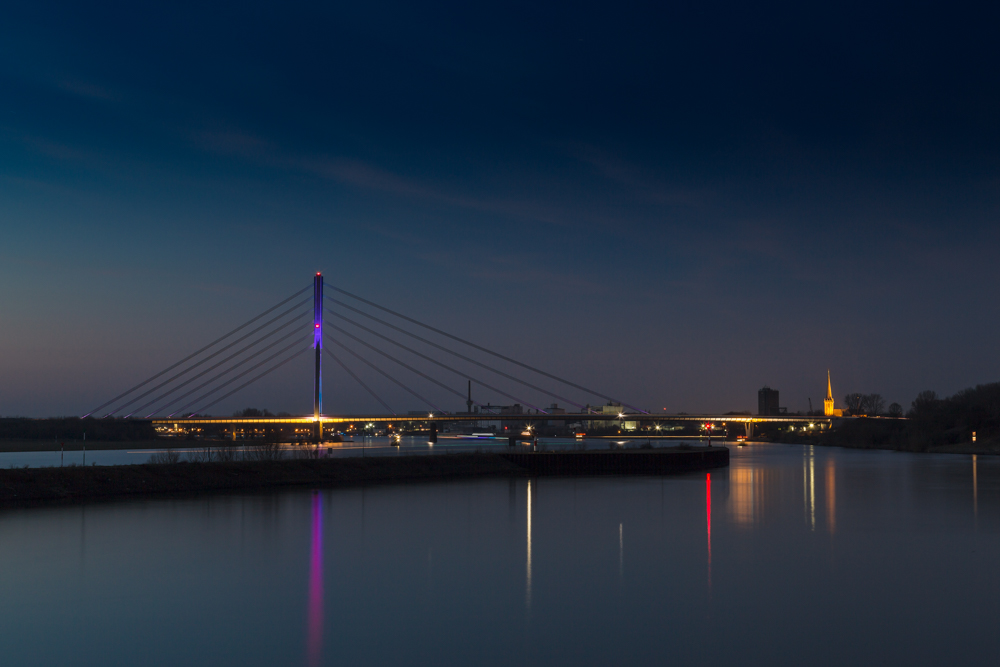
column 893, row 435
column 20, row 486
column 47, row 445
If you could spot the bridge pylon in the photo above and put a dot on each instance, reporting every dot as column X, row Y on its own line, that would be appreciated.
column 318, row 346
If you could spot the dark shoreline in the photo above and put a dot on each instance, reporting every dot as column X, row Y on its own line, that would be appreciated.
column 69, row 485
column 864, row 439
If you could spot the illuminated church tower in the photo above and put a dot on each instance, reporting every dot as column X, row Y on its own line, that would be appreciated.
column 828, row 409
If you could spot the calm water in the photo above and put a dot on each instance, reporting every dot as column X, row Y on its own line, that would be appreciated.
column 792, row 556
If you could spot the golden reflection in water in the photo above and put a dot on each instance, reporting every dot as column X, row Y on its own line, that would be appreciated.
column 527, row 580
column 751, row 492
column 743, row 495
column 831, row 496
column 975, row 489
column 805, row 481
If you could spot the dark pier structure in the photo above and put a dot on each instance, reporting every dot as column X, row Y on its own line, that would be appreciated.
column 77, row 484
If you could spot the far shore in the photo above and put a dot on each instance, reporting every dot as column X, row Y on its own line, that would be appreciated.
column 978, row 448
column 988, row 448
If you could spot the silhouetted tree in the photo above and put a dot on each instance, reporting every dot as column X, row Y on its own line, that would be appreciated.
column 872, row 404
column 924, row 404
column 252, row 412
column 895, row 410
column 854, row 403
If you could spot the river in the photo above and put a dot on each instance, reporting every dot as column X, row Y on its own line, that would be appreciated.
column 794, row 555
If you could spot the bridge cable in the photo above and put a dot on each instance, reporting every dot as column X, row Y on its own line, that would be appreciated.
column 401, row 363
column 237, row 377
column 211, row 356
column 483, row 349
column 239, row 363
column 251, row 381
column 435, row 361
column 359, row 381
column 445, row 349
column 382, row 372
column 195, row 354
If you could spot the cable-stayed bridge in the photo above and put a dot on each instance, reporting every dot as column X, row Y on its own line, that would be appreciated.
column 364, row 338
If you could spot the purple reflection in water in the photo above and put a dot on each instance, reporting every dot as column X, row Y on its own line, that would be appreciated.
column 314, row 645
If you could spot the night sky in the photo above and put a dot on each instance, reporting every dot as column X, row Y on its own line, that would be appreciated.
column 674, row 203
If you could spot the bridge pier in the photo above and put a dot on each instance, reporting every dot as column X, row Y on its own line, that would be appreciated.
column 434, row 433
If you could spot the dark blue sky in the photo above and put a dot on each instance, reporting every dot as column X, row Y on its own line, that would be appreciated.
column 675, row 203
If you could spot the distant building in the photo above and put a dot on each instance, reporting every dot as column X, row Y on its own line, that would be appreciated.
column 767, row 402
column 609, row 409
column 554, row 409
column 828, row 408
column 497, row 425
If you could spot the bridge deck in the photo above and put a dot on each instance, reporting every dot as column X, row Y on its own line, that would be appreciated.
column 483, row 417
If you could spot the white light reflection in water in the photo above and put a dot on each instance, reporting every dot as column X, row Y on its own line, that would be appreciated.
column 975, row 489
column 621, row 552
column 809, row 484
column 527, row 579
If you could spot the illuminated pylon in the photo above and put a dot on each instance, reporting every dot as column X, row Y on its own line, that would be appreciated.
column 318, row 346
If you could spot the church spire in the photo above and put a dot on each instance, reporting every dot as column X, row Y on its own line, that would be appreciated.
column 828, row 408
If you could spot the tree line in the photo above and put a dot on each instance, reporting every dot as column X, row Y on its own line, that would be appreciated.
column 933, row 423
column 870, row 405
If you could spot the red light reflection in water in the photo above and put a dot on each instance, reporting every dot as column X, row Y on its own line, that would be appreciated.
column 708, row 517
column 315, row 612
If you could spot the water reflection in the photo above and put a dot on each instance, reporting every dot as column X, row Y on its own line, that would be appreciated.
column 809, row 479
column 831, row 495
column 527, row 578
column 314, row 641
column 975, row 488
column 742, row 495
column 621, row 551
column 752, row 489
column 708, row 520
column 435, row 573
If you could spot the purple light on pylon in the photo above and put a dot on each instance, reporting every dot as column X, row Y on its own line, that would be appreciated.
column 318, row 346
column 314, row 641
column 318, row 312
